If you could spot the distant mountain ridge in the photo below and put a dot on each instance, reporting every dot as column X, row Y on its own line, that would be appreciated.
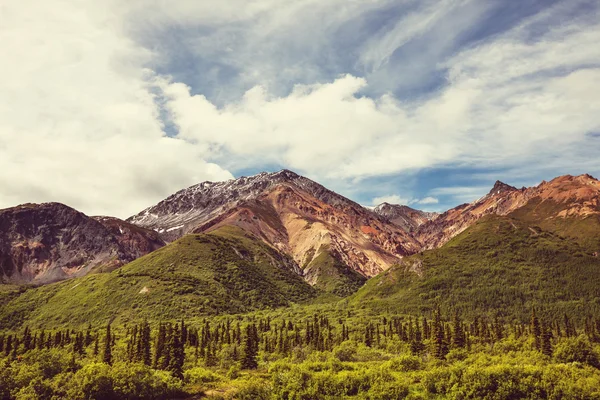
column 333, row 243
column 564, row 196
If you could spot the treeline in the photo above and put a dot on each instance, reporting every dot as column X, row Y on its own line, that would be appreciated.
column 239, row 340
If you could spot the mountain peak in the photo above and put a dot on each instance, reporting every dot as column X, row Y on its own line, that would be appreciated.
column 501, row 187
column 286, row 173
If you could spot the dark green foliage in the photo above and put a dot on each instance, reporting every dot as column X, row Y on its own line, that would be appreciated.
column 250, row 350
column 458, row 337
column 307, row 354
column 176, row 353
column 536, row 330
column 546, row 341
column 107, row 353
column 500, row 266
column 440, row 344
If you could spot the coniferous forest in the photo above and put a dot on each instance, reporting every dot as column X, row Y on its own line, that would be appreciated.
column 311, row 352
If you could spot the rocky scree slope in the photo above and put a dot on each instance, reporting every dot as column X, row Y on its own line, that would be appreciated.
column 404, row 217
column 291, row 213
column 41, row 243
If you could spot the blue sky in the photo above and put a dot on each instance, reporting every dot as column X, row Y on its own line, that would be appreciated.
column 111, row 107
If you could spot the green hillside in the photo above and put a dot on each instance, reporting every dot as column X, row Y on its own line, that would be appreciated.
column 500, row 266
column 333, row 276
column 225, row 271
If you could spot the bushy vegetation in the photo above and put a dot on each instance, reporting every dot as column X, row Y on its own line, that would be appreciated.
column 307, row 354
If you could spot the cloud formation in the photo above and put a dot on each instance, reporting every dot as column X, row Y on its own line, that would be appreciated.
column 111, row 106
column 78, row 118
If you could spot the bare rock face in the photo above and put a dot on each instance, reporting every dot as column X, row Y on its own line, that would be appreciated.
column 291, row 213
column 41, row 243
column 404, row 217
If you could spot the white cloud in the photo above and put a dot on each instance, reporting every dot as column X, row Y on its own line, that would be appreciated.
column 78, row 121
column 397, row 199
column 501, row 106
column 465, row 194
column 428, row 200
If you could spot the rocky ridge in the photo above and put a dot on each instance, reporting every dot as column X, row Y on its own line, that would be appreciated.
column 292, row 213
column 42, row 243
column 564, row 196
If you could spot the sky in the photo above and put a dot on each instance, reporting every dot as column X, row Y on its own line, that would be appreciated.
column 111, row 106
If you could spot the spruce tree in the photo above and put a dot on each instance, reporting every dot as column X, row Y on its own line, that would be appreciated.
column 145, row 345
column 107, row 355
column 177, row 353
column 250, row 350
column 96, row 345
column 439, row 338
column 458, row 338
column 546, row 337
column 26, row 339
column 88, row 336
column 535, row 329
column 160, row 345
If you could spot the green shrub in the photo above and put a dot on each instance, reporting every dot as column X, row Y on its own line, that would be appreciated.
column 404, row 363
column 199, row 375
column 252, row 389
column 577, row 349
column 388, row 391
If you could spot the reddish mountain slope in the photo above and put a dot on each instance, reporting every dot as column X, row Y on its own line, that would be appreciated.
column 563, row 197
column 48, row 242
column 292, row 213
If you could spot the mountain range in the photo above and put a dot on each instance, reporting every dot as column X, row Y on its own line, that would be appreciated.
column 277, row 224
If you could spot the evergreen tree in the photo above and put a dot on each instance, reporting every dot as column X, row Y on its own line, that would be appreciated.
column 570, row 330
column 88, row 336
column 145, row 345
column 26, row 339
column 8, row 345
column 15, row 348
column 107, row 355
column 41, row 341
column 546, row 337
column 458, row 338
column 96, row 346
column 498, row 329
column 439, row 338
column 250, row 350
column 160, row 345
column 535, row 329
column 177, row 353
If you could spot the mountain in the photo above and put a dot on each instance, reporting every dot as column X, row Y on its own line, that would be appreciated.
column 572, row 197
column 326, row 234
column 501, row 265
column 504, row 253
column 225, row 271
column 404, row 217
column 42, row 243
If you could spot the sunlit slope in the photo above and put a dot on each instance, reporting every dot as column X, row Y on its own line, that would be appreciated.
column 499, row 266
column 225, row 271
